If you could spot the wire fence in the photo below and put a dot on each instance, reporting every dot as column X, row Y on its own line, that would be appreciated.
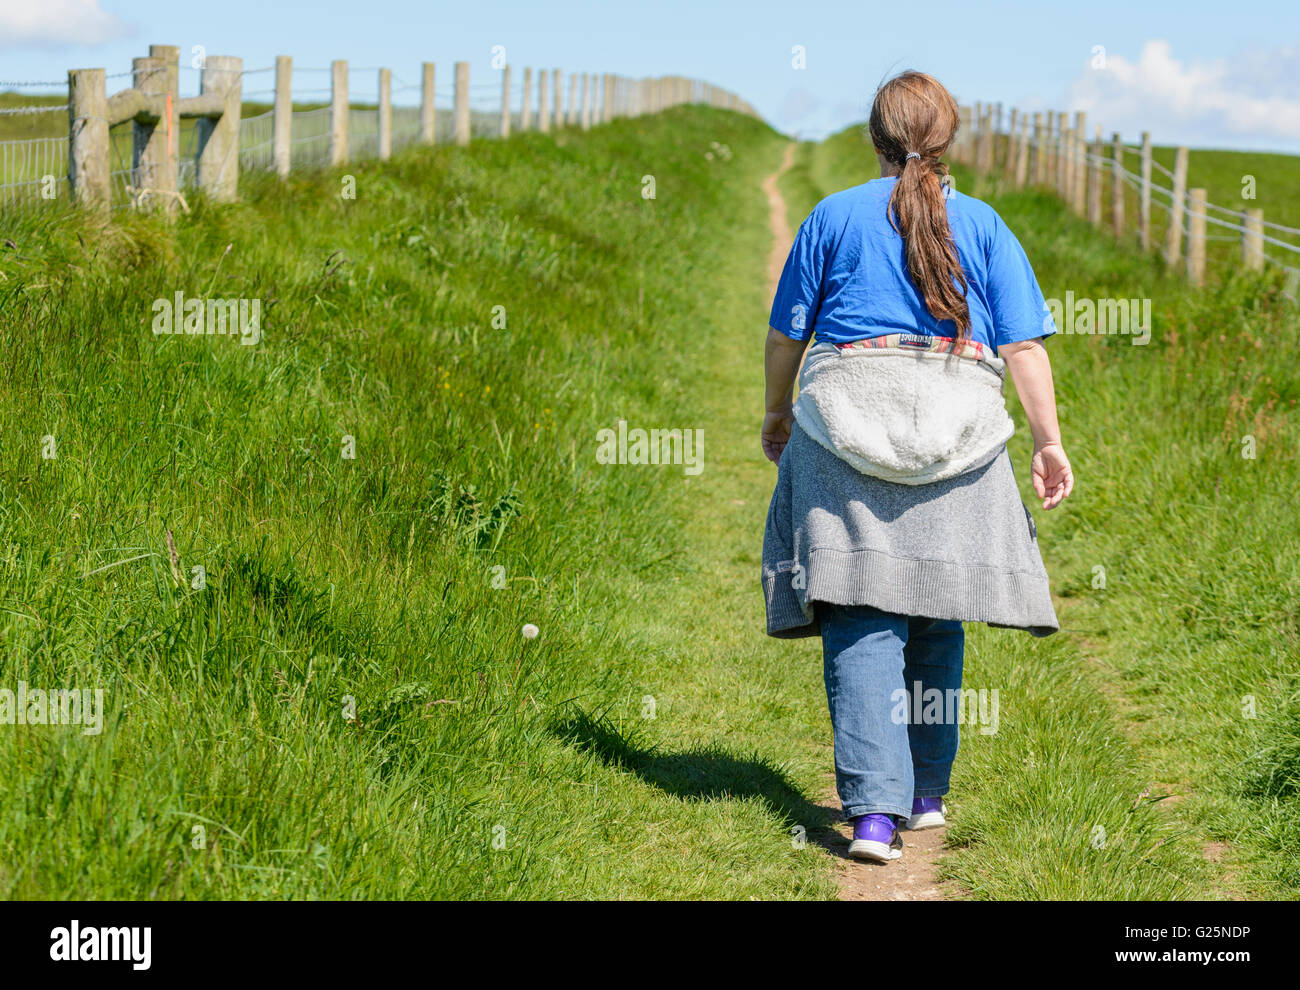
column 36, row 127
column 1090, row 181
column 29, row 168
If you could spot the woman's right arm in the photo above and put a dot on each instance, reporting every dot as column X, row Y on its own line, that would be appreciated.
column 1031, row 371
column 781, row 358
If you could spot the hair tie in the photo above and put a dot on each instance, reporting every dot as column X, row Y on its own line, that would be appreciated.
column 911, row 154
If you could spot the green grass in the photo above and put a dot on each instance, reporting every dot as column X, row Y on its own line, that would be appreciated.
column 1221, row 175
column 397, row 583
column 372, row 579
column 1133, row 719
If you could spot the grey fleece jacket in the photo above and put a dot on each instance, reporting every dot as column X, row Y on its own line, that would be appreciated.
column 963, row 548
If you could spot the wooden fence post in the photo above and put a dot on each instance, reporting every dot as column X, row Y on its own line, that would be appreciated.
column 1022, row 153
column 996, row 133
column 973, row 137
column 1117, row 184
column 1057, row 144
column 584, row 118
column 218, row 137
column 1174, row 235
column 607, row 114
column 1013, row 146
column 557, row 118
column 461, row 112
column 1196, row 236
column 282, row 117
column 88, row 148
column 428, row 105
column 1060, row 163
column 526, row 111
column 571, row 117
column 1094, row 179
column 1252, row 239
column 505, row 101
column 1039, row 171
column 339, row 112
column 986, row 142
column 1080, row 171
column 1068, row 162
column 385, row 114
column 1063, row 159
column 1144, row 195
column 543, row 105
column 157, row 145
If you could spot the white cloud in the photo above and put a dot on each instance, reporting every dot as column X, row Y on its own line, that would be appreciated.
column 56, row 22
column 1251, row 99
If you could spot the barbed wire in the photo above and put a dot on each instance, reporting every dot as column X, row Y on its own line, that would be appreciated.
column 18, row 111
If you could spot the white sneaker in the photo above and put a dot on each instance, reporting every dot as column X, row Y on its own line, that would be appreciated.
column 927, row 813
column 876, row 838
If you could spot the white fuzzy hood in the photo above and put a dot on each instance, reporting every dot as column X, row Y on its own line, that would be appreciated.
column 907, row 413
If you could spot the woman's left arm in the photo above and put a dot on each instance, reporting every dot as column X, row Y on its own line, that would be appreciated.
column 781, row 357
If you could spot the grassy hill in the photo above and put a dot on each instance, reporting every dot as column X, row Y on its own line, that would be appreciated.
column 402, row 474
column 347, row 707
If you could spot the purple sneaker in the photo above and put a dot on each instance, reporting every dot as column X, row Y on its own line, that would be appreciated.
column 876, row 837
column 927, row 813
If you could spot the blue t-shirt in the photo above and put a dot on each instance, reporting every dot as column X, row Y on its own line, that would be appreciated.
column 846, row 278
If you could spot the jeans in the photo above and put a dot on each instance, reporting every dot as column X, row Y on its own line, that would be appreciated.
column 872, row 663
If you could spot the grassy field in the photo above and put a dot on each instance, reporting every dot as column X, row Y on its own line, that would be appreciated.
column 346, row 707
column 1168, row 711
column 395, row 585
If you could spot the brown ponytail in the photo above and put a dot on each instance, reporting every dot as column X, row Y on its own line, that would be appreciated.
column 913, row 120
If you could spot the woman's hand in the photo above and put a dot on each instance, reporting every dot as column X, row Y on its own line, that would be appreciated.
column 1053, row 477
column 776, row 433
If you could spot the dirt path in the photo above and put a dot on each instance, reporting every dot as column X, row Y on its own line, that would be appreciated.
column 778, row 220
column 911, row 878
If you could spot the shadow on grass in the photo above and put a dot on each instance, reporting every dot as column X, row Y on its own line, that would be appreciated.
column 702, row 773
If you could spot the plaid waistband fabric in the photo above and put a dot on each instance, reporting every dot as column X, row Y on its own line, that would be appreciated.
column 972, row 349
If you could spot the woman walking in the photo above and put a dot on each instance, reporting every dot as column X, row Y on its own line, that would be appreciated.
column 896, row 515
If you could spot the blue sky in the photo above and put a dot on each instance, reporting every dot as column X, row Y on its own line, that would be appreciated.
column 1201, row 73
